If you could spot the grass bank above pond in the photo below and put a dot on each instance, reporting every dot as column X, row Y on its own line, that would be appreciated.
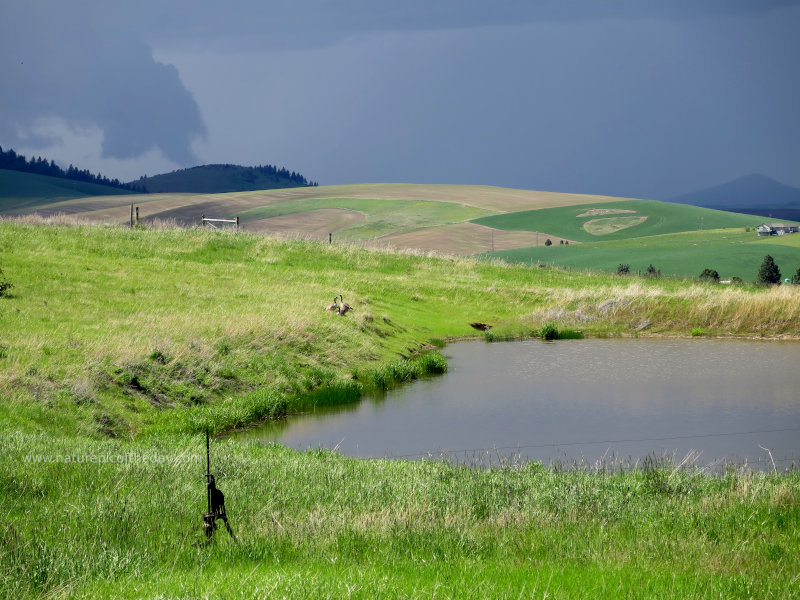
column 115, row 331
column 121, row 343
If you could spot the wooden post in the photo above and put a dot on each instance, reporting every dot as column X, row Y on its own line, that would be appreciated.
column 330, row 238
column 131, row 215
column 203, row 221
column 237, row 223
column 137, row 215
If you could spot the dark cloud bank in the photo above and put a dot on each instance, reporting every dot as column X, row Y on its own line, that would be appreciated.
column 55, row 62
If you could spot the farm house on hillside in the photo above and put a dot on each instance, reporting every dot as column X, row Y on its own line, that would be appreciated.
column 776, row 229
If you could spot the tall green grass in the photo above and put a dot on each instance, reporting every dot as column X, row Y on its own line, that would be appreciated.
column 313, row 523
column 132, row 343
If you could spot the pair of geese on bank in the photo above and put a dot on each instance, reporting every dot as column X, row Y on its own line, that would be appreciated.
column 339, row 305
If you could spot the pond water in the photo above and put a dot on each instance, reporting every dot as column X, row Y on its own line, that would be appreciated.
column 584, row 400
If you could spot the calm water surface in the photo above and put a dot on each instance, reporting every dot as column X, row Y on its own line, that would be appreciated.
column 577, row 400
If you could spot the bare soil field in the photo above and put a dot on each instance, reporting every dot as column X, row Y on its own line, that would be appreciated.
column 594, row 212
column 315, row 224
column 463, row 239
column 189, row 207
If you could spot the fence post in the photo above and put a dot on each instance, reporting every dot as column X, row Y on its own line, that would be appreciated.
column 237, row 223
column 131, row 215
column 137, row 215
column 203, row 221
column 330, row 238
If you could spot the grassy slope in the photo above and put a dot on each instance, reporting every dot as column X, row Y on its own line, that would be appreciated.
column 235, row 312
column 27, row 191
column 662, row 218
column 115, row 331
column 730, row 252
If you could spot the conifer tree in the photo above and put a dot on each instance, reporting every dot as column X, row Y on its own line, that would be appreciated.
column 769, row 273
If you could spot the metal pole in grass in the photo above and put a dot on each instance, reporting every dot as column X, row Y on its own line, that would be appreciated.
column 208, row 518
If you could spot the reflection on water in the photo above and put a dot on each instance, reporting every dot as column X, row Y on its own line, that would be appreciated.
column 578, row 398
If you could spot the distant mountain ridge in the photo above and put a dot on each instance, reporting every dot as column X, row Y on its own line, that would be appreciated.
column 222, row 178
column 745, row 192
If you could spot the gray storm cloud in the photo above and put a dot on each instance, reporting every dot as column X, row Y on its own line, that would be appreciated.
column 56, row 62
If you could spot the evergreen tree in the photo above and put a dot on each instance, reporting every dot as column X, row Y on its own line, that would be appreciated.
column 652, row 271
column 796, row 277
column 769, row 273
column 709, row 275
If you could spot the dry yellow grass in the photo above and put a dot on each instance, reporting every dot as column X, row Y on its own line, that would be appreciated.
column 731, row 310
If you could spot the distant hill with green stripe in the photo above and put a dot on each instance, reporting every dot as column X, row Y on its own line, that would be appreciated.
column 19, row 190
column 595, row 222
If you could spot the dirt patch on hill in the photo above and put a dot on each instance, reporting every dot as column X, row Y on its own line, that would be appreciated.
column 612, row 224
column 464, row 239
column 594, row 212
column 314, row 224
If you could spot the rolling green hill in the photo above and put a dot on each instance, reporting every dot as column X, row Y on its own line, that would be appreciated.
column 20, row 190
column 731, row 252
column 661, row 217
column 216, row 179
column 676, row 238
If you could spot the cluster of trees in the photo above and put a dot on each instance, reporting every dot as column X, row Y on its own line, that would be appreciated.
column 285, row 174
column 249, row 173
column 17, row 162
column 768, row 274
column 651, row 271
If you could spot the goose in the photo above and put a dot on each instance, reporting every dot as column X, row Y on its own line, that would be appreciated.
column 343, row 307
column 334, row 306
column 480, row 326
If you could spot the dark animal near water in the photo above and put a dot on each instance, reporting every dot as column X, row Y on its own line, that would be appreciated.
column 480, row 326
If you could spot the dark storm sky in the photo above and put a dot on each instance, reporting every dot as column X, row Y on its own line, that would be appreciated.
column 636, row 98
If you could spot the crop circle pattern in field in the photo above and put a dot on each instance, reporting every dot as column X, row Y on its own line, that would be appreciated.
column 612, row 224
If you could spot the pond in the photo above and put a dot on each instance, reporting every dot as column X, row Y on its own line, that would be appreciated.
column 577, row 400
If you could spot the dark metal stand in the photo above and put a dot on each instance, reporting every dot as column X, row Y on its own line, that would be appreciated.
column 216, row 500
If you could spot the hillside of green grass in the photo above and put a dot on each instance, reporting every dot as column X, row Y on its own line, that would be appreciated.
column 215, row 179
column 662, row 218
column 114, row 325
column 731, row 252
column 119, row 347
column 20, row 190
